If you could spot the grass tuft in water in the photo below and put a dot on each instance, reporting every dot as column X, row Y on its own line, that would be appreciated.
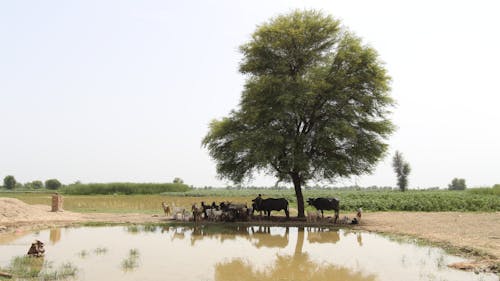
column 100, row 251
column 36, row 268
column 132, row 261
column 83, row 254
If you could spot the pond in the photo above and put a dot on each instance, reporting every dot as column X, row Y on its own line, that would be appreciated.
column 231, row 252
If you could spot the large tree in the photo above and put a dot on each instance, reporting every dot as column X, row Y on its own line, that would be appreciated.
column 314, row 105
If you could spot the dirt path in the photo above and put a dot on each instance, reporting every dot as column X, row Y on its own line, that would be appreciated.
column 478, row 233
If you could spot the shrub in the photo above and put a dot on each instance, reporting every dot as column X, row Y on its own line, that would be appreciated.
column 52, row 184
column 9, row 182
column 34, row 185
column 124, row 188
column 457, row 184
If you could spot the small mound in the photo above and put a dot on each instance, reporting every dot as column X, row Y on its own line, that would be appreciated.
column 15, row 210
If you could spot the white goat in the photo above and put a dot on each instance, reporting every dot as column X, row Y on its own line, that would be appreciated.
column 313, row 216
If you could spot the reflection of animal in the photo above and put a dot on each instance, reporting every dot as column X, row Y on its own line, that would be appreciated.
column 166, row 208
column 36, row 249
column 321, row 236
column 268, row 240
column 325, row 204
column 270, row 204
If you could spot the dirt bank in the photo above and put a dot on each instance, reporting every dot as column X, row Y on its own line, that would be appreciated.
column 476, row 233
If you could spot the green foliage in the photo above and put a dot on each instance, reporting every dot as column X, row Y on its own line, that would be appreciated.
column 9, row 182
column 494, row 190
column 314, row 105
column 34, row 185
column 52, row 184
column 457, row 184
column 178, row 180
column 402, row 170
column 124, row 188
column 476, row 199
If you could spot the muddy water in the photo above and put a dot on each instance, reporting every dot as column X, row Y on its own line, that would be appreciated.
column 237, row 253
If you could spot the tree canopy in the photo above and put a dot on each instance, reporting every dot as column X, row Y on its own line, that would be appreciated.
column 457, row 184
column 52, row 184
column 9, row 182
column 314, row 105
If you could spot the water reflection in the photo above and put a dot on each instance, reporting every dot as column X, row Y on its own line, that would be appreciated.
column 239, row 252
column 322, row 235
column 298, row 266
column 264, row 238
column 55, row 235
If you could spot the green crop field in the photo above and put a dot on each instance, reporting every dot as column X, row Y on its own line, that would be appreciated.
column 475, row 199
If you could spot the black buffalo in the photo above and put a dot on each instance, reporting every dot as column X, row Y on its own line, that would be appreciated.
column 325, row 204
column 270, row 204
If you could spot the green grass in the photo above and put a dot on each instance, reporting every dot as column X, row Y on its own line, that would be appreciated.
column 33, row 268
column 474, row 199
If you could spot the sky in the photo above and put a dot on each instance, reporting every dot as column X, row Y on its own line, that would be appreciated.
column 123, row 91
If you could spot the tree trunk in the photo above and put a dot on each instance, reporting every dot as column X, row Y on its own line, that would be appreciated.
column 298, row 193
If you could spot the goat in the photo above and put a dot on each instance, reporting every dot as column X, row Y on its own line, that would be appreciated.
column 358, row 215
column 214, row 215
column 179, row 213
column 197, row 212
column 344, row 220
column 166, row 208
column 312, row 216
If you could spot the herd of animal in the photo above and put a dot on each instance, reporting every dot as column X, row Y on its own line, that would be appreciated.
column 227, row 211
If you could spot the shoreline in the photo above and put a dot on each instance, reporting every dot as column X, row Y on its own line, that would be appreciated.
column 474, row 236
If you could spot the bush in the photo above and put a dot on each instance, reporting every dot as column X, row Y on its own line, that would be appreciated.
column 52, row 184
column 457, row 184
column 34, row 185
column 124, row 188
column 9, row 182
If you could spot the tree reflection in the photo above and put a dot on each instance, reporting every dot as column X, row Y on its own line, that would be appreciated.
column 298, row 266
column 55, row 235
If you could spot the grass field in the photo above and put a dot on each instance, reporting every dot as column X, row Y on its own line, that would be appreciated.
column 483, row 200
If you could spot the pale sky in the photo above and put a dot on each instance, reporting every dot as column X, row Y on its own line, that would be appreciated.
column 106, row 91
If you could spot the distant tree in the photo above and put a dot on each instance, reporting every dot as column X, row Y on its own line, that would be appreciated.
column 457, row 184
column 315, row 105
column 37, row 184
column 402, row 170
column 178, row 180
column 52, row 184
column 34, row 185
column 9, row 182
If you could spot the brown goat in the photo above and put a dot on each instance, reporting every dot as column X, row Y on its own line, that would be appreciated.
column 166, row 208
